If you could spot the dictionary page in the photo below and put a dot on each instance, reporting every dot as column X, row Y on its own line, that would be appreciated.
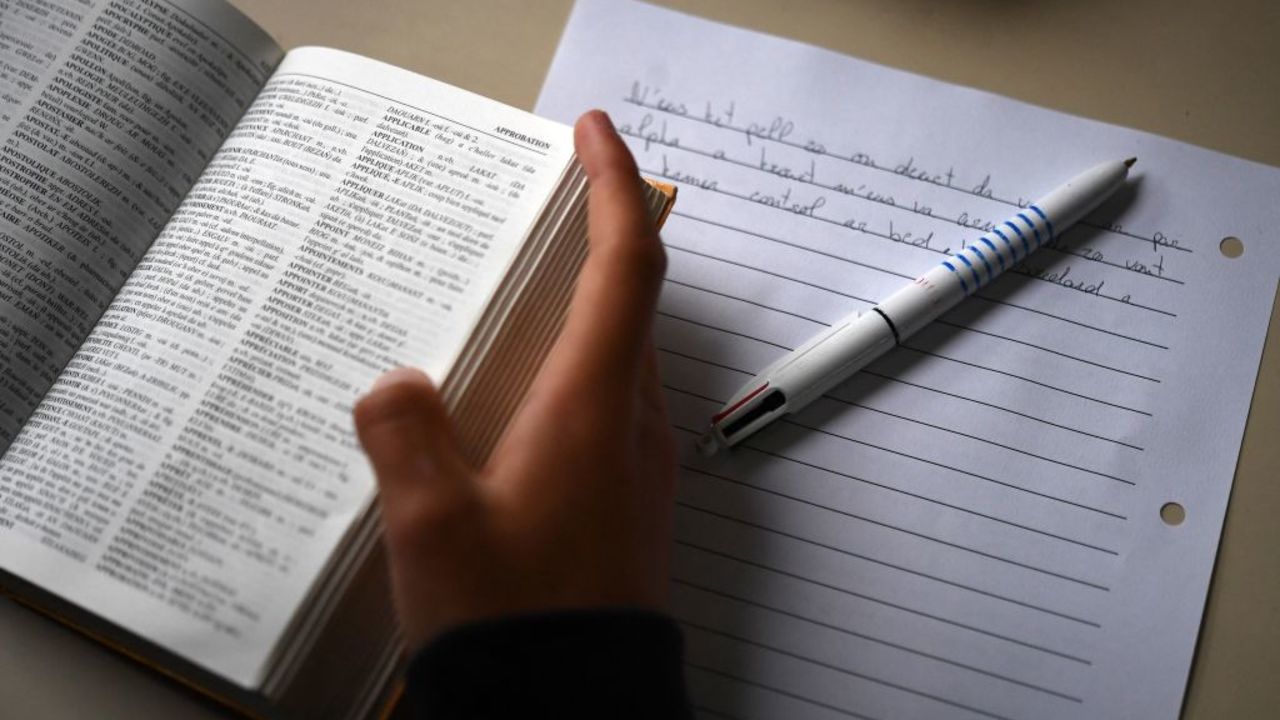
column 109, row 110
column 971, row 527
column 195, row 466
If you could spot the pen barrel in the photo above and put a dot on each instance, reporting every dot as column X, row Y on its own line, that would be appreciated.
column 826, row 364
column 824, row 361
column 1083, row 193
column 921, row 302
column 1000, row 248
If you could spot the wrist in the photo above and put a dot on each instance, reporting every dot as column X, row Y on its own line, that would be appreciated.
column 604, row 662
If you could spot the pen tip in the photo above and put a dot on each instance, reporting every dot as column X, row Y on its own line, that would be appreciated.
column 1129, row 163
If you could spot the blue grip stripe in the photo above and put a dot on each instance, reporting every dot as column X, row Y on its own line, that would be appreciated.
column 1025, row 249
column 991, row 274
column 963, row 285
column 1047, row 223
column 1013, row 252
column 977, row 281
column 1020, row 235
column 1033, row 227
column 994, row 250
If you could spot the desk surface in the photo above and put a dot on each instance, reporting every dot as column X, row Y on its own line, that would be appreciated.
column 1203, row 71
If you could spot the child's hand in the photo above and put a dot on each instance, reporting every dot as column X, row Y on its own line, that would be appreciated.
column 573, row 509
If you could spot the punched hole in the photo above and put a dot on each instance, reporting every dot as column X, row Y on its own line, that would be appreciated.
column 1172, row 514
column 1231, row 246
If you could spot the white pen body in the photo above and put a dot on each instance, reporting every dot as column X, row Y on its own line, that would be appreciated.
column 816, row 367
column 800, row 377
column 820, row 364
column 1005, row 245
column 1069, row 203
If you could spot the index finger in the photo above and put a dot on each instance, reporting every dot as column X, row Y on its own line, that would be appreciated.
column 612, row 307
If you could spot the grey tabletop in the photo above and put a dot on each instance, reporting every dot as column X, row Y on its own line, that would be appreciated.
column 1194, row 70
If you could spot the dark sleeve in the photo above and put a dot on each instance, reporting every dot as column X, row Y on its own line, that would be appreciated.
column 564, row 665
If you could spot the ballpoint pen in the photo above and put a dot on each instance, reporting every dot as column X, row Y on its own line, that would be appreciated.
column 806, row 373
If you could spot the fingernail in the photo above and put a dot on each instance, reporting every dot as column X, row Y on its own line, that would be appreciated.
column 396, row 375
column 600, row 119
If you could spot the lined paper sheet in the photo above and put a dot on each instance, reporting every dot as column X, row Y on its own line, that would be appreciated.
column 971, row 527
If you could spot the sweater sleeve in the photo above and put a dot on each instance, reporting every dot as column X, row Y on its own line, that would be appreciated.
column 565, row 665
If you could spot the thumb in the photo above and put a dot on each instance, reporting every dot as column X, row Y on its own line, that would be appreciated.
column 404, row 429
